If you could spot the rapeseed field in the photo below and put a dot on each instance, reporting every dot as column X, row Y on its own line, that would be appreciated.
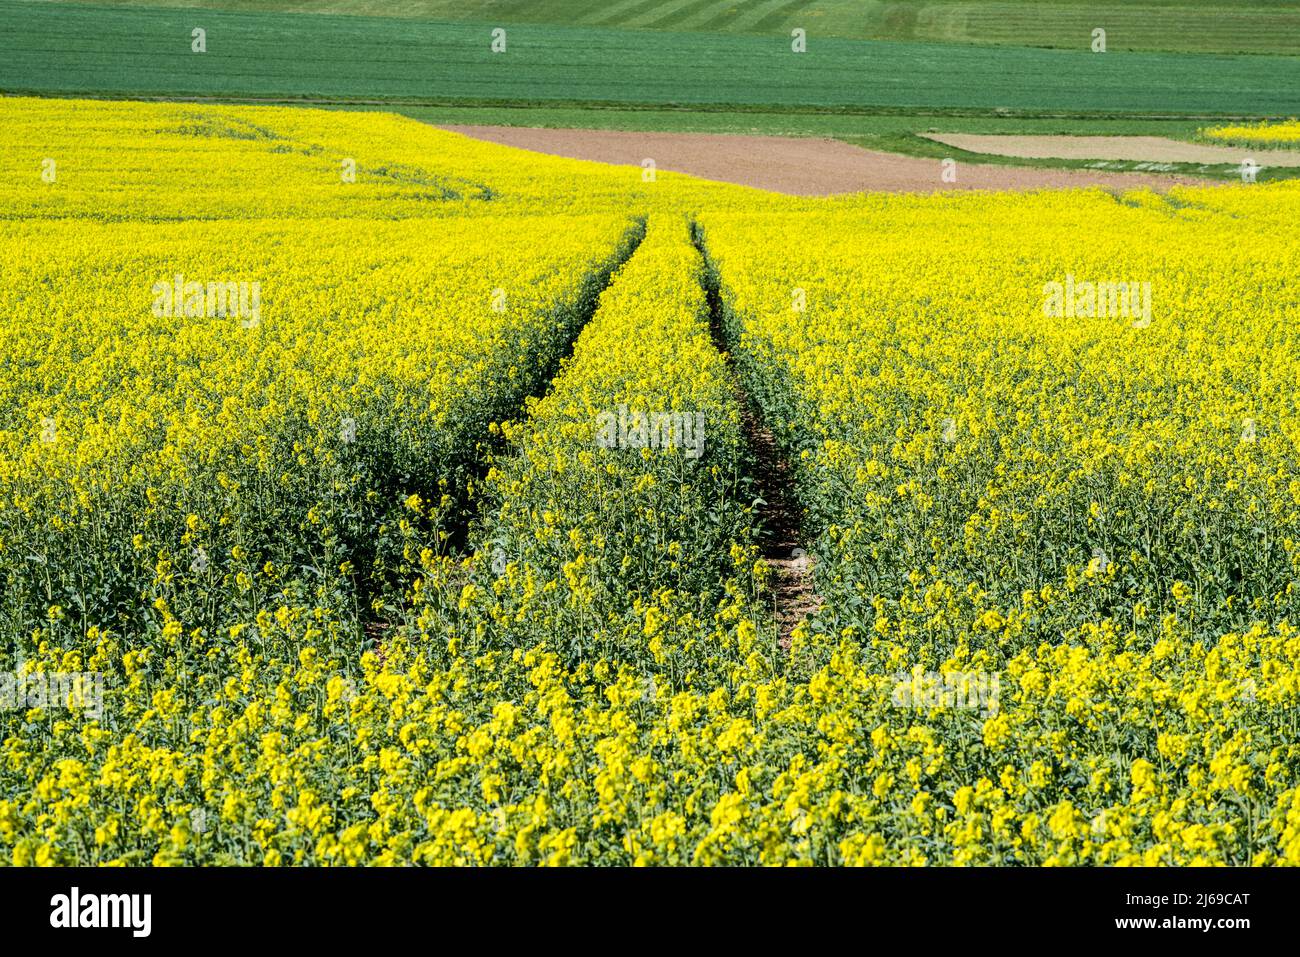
column 369, row 494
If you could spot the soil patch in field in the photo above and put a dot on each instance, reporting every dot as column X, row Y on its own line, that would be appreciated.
column 799, row 166
column 779, row 514
column 1146, row 149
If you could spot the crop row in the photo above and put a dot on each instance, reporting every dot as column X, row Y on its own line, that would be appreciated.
column 1070, row 537
column 614, row 576
column 187, row 426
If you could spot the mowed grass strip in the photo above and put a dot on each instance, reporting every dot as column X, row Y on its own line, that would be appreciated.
column 64, row 49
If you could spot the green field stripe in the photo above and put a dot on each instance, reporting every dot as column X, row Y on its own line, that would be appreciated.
column 725, row 18
column 630, row 13
column 761, row 11
column 721, row 11
column 1144, row 27
column 677, row 14
column 719, row 16
column 1207, row 26
column 662, row 11
column 614, row 13
column 780, row 15
column 61, row 49
column 948, row 23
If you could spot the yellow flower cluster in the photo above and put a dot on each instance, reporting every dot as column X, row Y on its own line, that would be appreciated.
column 1285, row 135
column 171, row 163
column 189, row 408
column 617, row 524
column 356, row 598
column 1096, row 507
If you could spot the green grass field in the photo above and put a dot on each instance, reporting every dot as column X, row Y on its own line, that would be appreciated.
column 1210, row 26
column 118, row 51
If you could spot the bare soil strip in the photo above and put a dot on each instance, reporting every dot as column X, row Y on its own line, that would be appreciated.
column 1148, row 149
column 793, row 595
column 800, row 166
column 780, row 515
